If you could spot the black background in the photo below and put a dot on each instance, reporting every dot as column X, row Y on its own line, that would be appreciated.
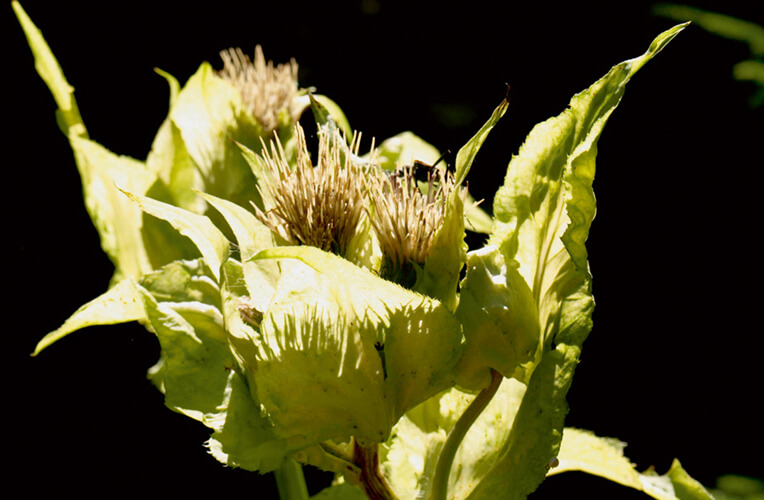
column 672, row 365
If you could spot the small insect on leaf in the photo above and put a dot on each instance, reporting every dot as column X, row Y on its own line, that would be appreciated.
column 249, row 313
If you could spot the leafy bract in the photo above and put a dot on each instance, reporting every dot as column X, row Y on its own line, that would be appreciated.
column 369, row 350
column 404, row 149
column 170, row 161
column 583, row 451
column 119, row 222
column 542, row 214
column 545, row 207
column 120, row 304
column 439, row 277
column 440, row 274
column 501, row 324
column 476, row 218
column 127, row 238
column 336, row 113
column 195, row 149
column 467, row 153
column 67, row 114
column 212, row 244
column 524, row 420
column 251, row 236
column 211, row 119
column 197, row 371
column 327, row 113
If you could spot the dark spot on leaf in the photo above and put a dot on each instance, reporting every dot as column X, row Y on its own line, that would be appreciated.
column 381, row 351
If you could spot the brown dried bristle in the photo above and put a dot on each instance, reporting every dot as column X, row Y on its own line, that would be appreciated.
column 266, row 90
column 406, row 219
column 319, row 205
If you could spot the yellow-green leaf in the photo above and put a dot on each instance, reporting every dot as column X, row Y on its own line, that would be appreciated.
column 68, row 115
column 120, row 304
column 369, row 350
column 252, row 236
column 212, row 244
column 118, row 221
column 583, row 451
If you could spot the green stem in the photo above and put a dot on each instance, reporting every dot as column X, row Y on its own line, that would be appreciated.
column 291, row 481
column 455, row 437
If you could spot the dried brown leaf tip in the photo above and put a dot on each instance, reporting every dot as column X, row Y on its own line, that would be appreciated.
column 266, row 89
column 319, row 205
column 406, row 214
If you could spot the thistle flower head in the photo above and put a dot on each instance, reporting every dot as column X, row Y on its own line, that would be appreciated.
column 265, row 89
column 406, row 216
column 319, row 205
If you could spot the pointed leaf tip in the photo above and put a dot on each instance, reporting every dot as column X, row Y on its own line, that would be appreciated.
column 47, row 67
column 211, row 242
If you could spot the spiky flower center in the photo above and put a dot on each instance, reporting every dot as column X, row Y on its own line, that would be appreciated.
column 265, row 89
column 319, row 205
column 406, row 214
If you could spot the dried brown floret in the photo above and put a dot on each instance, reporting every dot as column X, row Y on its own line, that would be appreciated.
column 406, row 216
column 265, row 89
column 319, row 205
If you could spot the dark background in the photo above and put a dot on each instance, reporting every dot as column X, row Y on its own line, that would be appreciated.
column 672, row 365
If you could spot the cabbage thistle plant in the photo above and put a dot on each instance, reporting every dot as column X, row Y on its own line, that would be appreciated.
column 326, row 310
